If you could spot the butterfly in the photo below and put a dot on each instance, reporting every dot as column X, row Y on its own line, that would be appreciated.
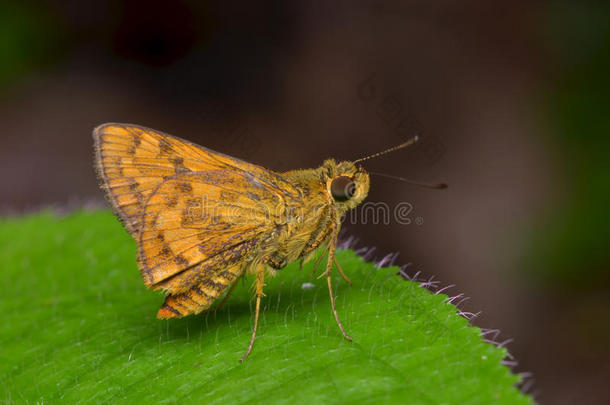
column 202, row 220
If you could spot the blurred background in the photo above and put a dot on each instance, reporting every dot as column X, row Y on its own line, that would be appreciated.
column 510, row 100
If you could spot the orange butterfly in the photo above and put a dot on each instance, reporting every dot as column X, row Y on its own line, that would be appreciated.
column 202, row 220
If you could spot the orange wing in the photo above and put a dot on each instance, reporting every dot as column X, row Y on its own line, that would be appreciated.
column 189, row 208
column 202, row 222
column 132, row 160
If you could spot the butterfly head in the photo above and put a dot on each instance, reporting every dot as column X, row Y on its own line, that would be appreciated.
column 346, row 183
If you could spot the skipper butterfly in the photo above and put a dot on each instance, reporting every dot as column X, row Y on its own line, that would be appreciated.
column 202, row 220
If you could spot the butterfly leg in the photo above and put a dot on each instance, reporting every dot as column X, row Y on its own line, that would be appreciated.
column 318, row 260
column 329, row 265
column 260, row 281
column 341, row 272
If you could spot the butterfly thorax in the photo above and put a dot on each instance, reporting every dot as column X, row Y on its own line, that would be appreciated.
column 328, row 192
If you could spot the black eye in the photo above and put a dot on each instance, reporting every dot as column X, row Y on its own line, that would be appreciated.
column 342, row 188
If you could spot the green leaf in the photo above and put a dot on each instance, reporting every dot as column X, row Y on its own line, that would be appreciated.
column 78, row 326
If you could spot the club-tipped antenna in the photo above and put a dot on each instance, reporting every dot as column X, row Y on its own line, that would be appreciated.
column 438, row 186
column 402, row 145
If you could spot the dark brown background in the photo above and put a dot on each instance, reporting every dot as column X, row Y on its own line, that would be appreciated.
column 509, row 98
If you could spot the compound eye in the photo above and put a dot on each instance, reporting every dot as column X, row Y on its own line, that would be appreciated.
column 342, row 188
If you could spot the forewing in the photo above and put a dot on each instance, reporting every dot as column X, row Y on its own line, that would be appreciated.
column 202, row 221
column 132, row 161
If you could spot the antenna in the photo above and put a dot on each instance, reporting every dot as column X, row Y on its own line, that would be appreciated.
column 439, row 186
column 402, row 145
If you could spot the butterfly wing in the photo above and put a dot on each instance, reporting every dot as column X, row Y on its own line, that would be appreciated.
column 192, row 211
column 131, row 161
column 197, row 223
